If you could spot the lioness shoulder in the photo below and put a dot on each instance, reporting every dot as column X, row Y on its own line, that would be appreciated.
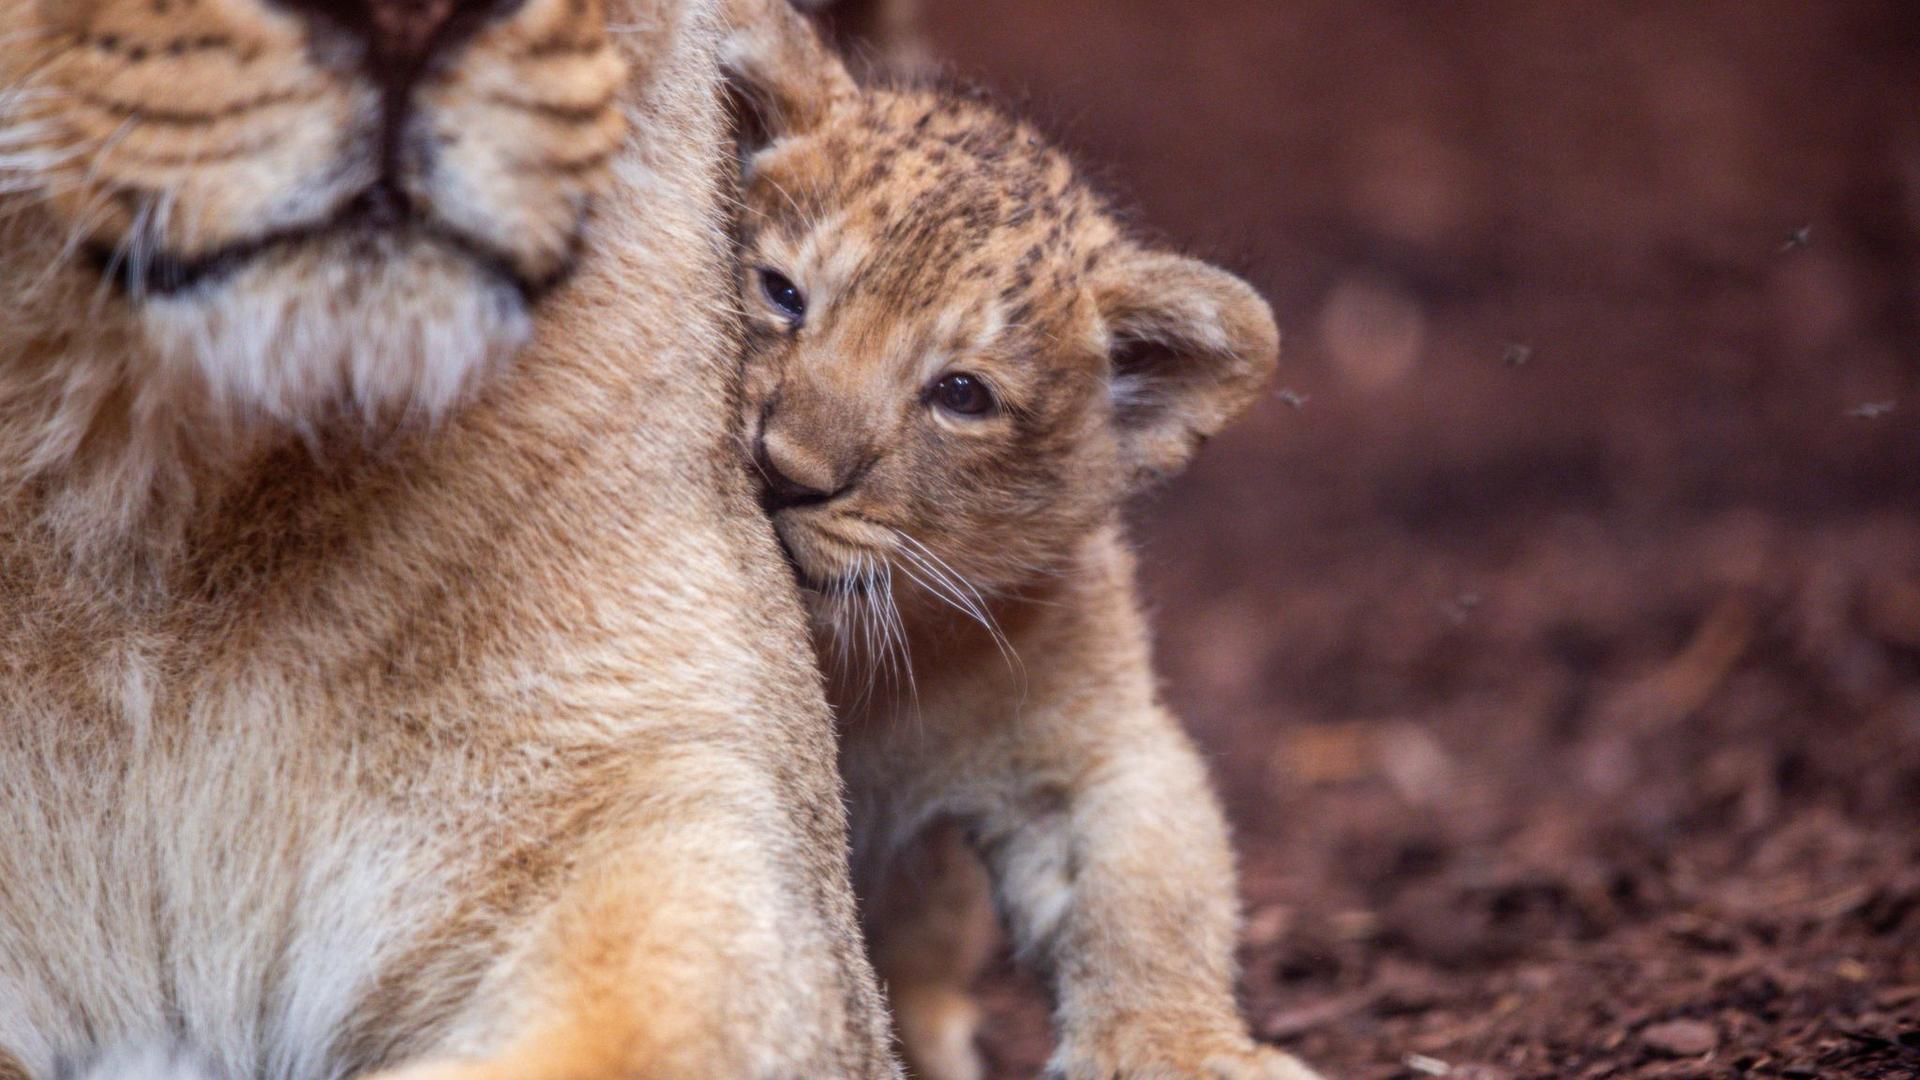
column 343, row 729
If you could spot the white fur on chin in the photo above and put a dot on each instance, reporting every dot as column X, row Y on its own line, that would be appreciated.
column 123, row 419
column 153, row 1062
column 325, row 333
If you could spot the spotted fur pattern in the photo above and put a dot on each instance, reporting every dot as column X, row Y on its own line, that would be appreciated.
column 972, row 591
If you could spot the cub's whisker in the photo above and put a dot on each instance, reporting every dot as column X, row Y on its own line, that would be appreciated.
column 959, row 593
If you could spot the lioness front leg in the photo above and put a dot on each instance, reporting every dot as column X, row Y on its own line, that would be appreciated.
column 696, row 939
column 1110, row 859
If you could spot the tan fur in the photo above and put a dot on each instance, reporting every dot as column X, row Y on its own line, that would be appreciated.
column 342, row 726
column 973, row 594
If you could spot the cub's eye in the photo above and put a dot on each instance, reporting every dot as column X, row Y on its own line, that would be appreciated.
column 963, row 394
column 783, row 294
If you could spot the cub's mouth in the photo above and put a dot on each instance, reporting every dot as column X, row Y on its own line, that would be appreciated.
column 826, row 565
column 800, row 575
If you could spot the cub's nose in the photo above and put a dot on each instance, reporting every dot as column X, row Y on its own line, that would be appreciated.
column 404, row 33
column 792, row 477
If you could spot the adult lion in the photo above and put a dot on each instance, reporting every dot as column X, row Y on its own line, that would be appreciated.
column 350, row 718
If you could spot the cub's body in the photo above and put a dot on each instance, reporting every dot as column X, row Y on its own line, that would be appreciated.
column 958, row 367
column 1046, row 756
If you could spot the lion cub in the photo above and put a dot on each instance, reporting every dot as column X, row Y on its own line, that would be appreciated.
column 958, row 368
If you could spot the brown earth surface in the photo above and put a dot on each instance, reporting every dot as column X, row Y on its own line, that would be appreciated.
column 1555, row 629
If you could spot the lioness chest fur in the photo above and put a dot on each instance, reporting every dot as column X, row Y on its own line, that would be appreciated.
column 342, row 729
column 958, row 366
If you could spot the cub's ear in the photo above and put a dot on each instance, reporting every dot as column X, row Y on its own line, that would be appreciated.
column 1190, row 346
column 784, row 70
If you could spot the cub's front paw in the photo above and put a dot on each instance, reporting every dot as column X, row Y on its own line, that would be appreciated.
column 1257, row 1063
column 1145, row 1057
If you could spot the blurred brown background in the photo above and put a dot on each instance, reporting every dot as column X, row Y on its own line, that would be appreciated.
column 1555, row 628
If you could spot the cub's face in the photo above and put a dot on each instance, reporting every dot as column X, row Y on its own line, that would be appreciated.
column 956, row 364
column 926, row 374
column 304, row 201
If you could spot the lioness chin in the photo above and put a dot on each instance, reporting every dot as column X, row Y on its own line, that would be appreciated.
column 342, row 729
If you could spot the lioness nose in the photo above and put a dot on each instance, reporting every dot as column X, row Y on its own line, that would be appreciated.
column 404, row 28
column 403, row 33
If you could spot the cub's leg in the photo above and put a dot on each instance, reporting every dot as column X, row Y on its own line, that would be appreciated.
column 1110, row 859
column 696, row 938
column 930, row 926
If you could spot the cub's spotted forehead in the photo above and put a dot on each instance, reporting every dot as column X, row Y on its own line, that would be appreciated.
column 925, row 192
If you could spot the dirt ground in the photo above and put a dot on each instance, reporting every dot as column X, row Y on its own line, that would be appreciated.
column 1555, row 628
